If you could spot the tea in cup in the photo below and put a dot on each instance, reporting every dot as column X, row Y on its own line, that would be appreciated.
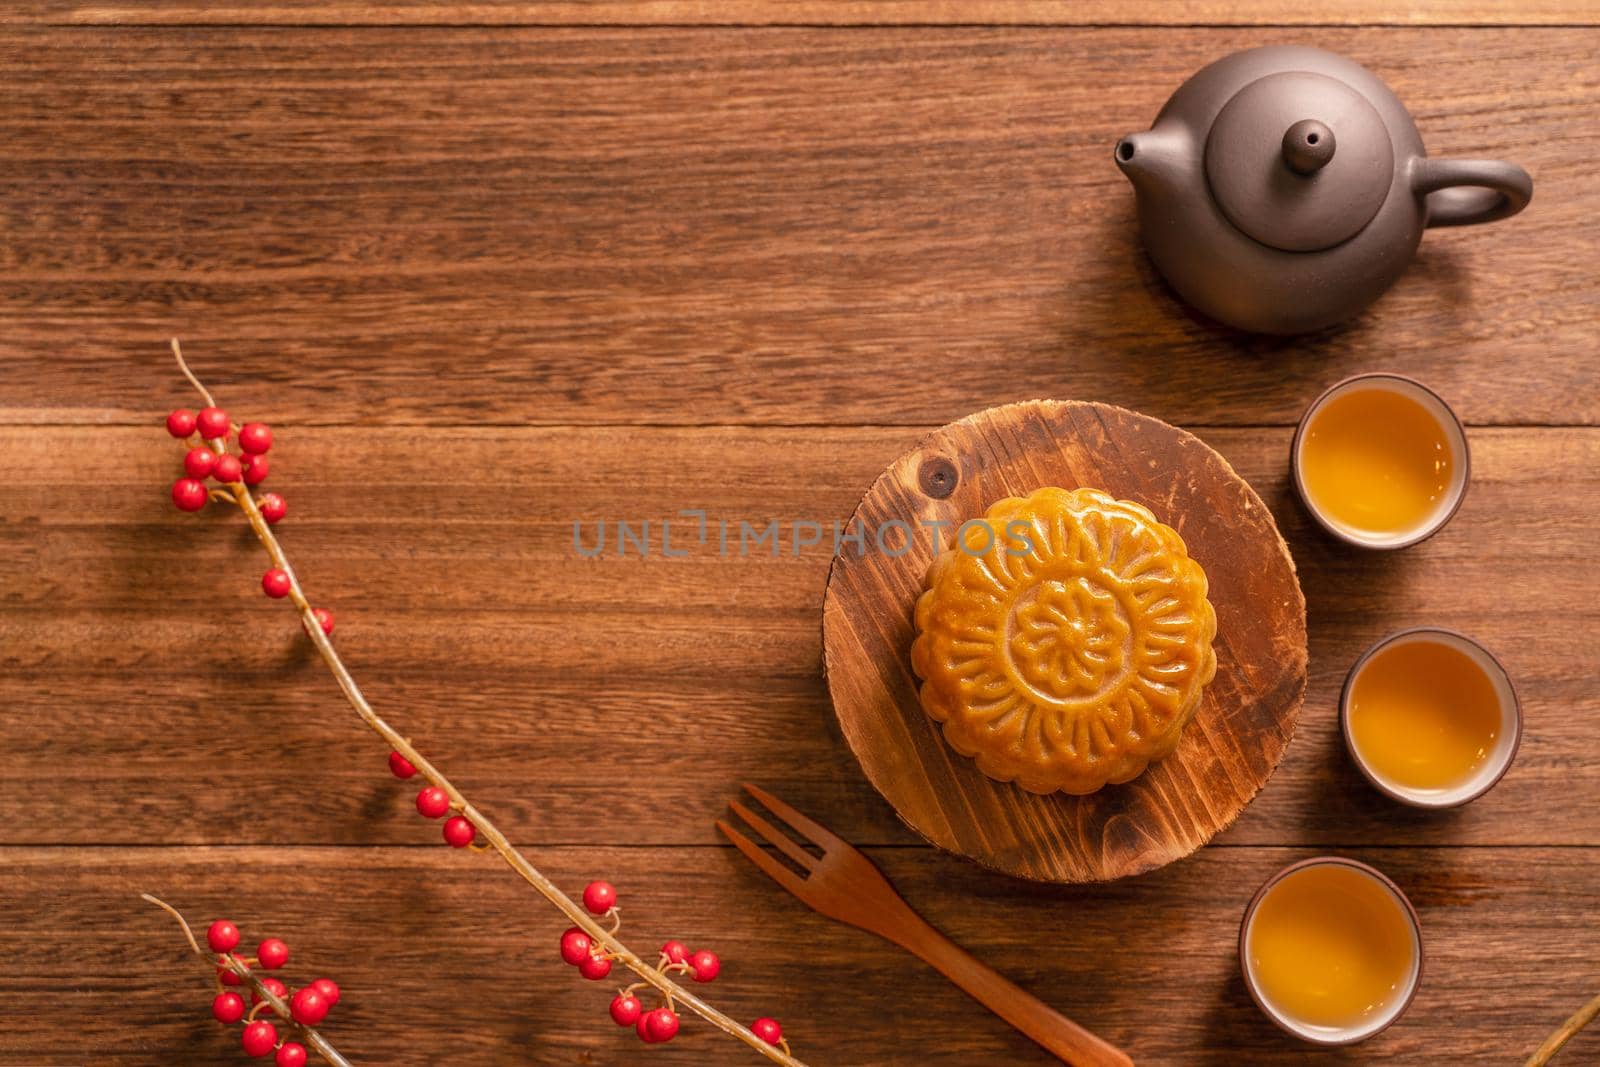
column 1331, row 950
column 1380, row 461
column 1430, row 717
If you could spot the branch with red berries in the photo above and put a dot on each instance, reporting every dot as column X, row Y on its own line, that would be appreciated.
column 300, row 1010
column 587, row 945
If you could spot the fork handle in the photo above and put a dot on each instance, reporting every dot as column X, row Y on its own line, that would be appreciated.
column 1065, row 1039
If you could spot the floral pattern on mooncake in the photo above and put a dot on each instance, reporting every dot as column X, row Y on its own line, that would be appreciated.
column 1069, row 647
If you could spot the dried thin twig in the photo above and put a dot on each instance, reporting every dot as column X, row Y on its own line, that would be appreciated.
column 1564, row 1033
column 672, row 991
column 317, row 1042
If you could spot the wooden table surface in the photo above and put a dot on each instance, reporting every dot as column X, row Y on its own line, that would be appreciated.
column 486, row 280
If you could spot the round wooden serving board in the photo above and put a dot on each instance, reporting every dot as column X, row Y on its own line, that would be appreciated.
column 1246, row 716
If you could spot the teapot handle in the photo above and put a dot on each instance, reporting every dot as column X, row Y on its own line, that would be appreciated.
column 1462, row 192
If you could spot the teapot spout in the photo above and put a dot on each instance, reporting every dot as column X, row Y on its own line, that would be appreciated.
column 1156, row 159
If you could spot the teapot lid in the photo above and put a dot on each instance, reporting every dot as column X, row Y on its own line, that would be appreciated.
column 1299, row 161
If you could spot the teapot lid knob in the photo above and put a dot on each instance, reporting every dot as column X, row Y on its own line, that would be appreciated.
column 1308, row 146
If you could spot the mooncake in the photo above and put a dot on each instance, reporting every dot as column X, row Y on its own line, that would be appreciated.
column 1064, row 642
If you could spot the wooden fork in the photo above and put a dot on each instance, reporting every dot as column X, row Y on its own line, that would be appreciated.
column 844, row 885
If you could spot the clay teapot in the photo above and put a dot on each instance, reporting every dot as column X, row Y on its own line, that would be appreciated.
column 1283, row 189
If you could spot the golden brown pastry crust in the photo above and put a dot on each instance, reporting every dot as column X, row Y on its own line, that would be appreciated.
column 1073, row 649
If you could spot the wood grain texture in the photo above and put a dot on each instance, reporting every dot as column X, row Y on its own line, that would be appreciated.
column 442, row 959
column 795, row 226
column 841, row 882
column 817, row 12
column 490, row 282
column 1246, row 716
column 548, row 684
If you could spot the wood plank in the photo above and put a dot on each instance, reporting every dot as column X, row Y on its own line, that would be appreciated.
column 818, row 12
column 442, row 956
column 142, row 669
column 775, row 226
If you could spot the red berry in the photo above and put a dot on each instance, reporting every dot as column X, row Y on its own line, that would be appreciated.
column 272, row 953
column 227, row 1008
column 459, row 832
column 308, row 1007
column 767, row 1030
column 595, row 968
column 258, row 1038
column 275, row 583
column 642, row 1028
column 329, row 990
column 227, row 468
column 401, row 767
column 432, row 802
column 675, row 951
column 661, row 1025
column 599, row 897
column 255, row 469
column 223, row 936
column 198, row 462
column 255, row 437
column 625, row 1009
column 576, row 946
column 704, row 966
column 180, row 423
column 324, row 619
column 273, row 986
column 273, row 507
column 291, row 1054
column 212, row 423
column 227, row 977
column 189, row 494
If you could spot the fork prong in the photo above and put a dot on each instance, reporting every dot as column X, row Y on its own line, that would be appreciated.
column 775, row 870
column 819, row 836
column 774, row 836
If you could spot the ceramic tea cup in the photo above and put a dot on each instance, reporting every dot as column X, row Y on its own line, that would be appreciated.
column 1430, row 717
column 1331, row 950
column 1380, row 461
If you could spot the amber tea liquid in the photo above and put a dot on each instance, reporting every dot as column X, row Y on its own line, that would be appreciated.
column 1332, row 950
column 1377, row 462
column 1424, row 716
